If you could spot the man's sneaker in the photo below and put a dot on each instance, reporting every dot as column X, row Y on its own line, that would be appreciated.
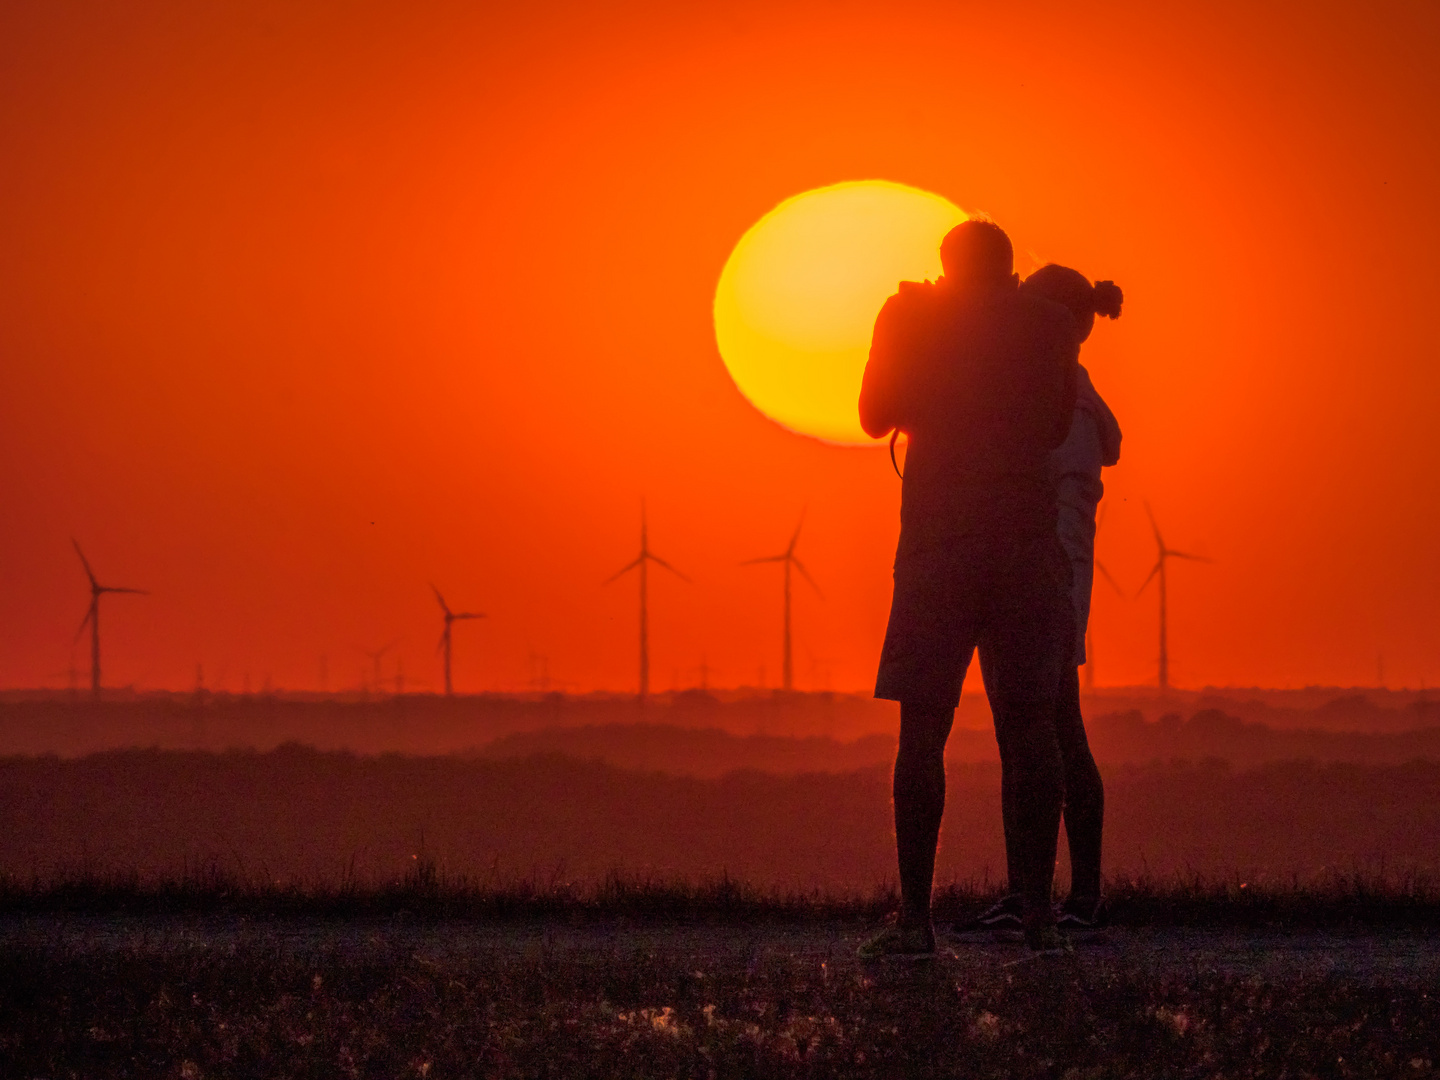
column 905, row 942
column 1083, row 914
column 1046, row 940
column 1003, row 919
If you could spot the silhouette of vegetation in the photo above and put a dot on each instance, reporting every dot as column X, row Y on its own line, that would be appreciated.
column 1355, row 900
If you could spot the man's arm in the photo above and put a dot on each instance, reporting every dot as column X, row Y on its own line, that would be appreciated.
column 881, row 389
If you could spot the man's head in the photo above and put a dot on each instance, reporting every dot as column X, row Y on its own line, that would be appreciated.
column 977, row 254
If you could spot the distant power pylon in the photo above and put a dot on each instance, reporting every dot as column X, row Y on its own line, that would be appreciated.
column 787, row 557
column 92, row 617
column 641, row 563
column 451, row 617
column 1164, row 554
column 539, row 672
column 376, row 680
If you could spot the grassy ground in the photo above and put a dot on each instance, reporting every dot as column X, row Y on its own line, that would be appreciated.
column 431, row 977
column 257, row 1010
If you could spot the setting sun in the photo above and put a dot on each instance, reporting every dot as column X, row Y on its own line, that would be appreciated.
column 800, row 292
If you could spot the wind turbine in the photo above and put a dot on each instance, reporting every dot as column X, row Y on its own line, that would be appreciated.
column 450, row 618
column 1163, row 555
column 788, row 558
column 641, row 563
column 92, row 617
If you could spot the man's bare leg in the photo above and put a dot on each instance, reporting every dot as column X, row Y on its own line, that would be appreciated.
column 919, row 793
column 1032, row 793
column 1084, row 792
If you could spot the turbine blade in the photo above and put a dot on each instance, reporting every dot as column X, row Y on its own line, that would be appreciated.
column 767, row 558
column 1159, row 540
column 667, row 566
column 1100, row 521
column 112, row 588
column 806, row 575
column 623, row 571
column 468, row 615
column 1109, row 577
column 443, row 606
column 86, row 563
column 796, row 536
column 1187, row 555
column 439, row 645
column 1154, row 570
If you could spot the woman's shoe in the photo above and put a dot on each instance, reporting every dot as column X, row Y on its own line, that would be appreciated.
column 1003, row 919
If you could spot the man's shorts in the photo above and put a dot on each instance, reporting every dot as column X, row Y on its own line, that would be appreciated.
column 1011, row 601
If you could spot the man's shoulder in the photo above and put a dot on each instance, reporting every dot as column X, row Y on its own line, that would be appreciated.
column 911, row 295
column 911, row 303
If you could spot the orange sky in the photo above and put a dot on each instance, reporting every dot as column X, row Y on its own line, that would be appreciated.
column 304, row 306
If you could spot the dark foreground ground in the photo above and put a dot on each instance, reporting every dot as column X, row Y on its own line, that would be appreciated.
column 219, row 995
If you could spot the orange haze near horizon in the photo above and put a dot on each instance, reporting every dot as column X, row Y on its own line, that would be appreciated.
column 305, row 306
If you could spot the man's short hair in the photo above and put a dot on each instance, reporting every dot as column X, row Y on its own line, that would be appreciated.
column 977, row 251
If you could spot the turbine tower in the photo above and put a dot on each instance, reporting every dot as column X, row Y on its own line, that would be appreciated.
column 92, row 617
column 641, row 563
column 787, row 557
column 1163, row 555
column 450, row 618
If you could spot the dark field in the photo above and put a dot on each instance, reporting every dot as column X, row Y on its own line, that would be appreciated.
column 607, row 997
column 678, row 894
column 297, row 814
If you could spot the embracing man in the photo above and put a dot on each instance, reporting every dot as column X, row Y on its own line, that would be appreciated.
column 982, row 380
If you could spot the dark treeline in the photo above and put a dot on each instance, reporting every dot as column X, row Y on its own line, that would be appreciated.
column 711, row 753
column 773, row 732
column 297, row 813
column 1129, row 738
column 1117, row 739
column 410, row 723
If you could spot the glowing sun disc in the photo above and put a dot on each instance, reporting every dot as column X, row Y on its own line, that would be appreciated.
column 798, row 297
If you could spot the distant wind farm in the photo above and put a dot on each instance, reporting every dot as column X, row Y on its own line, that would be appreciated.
column 374, row 679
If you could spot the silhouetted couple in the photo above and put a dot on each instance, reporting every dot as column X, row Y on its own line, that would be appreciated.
column 1006, row 438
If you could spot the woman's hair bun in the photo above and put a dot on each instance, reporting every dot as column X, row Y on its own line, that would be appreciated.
column 1108, row 299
